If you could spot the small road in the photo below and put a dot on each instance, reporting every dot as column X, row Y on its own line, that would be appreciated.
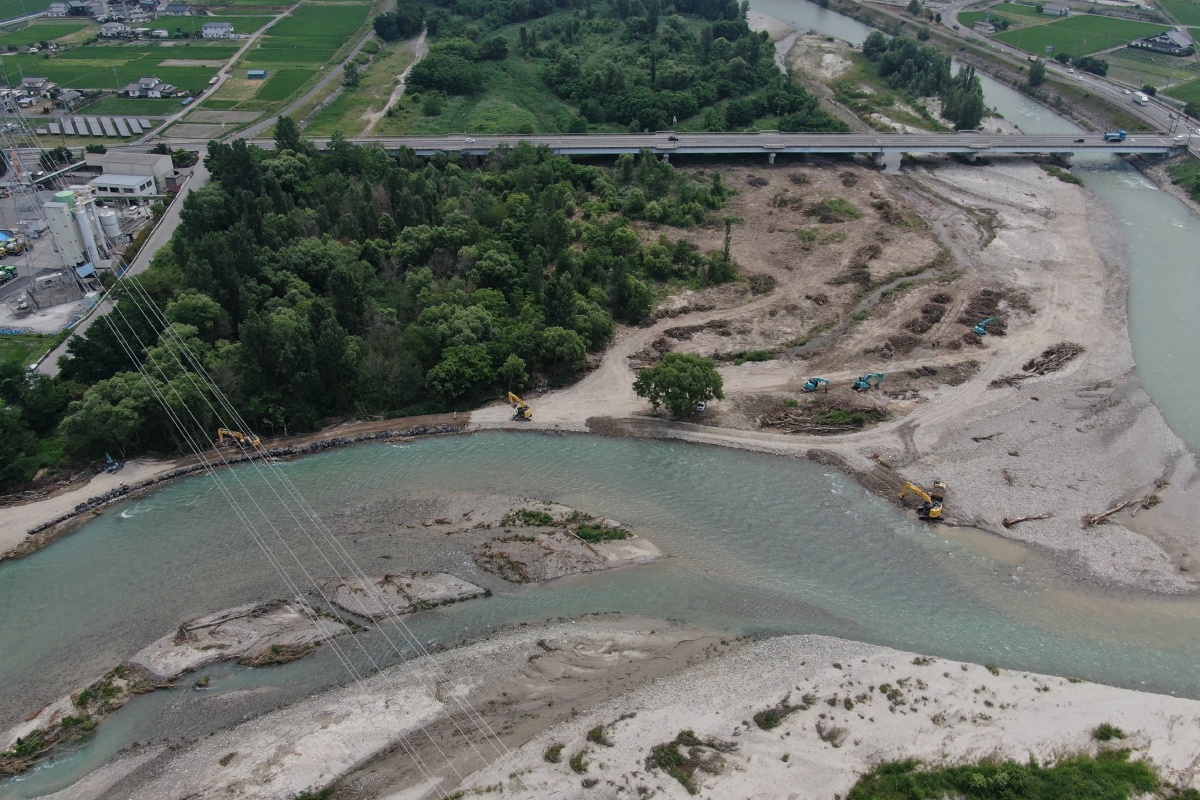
column 161, row 235
column 223, row 75
column 334, row 73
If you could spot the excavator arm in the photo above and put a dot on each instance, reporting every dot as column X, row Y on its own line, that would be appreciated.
column 521, row 410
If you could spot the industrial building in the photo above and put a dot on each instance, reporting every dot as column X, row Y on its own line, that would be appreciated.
column 127, row 187
column 158, row 167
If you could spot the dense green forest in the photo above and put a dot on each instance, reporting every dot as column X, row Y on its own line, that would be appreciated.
column 349, row 281
column 638, row 65
column 924, row 71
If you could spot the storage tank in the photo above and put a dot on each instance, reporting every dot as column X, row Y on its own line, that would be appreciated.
column 66, row 198
column 110, row 225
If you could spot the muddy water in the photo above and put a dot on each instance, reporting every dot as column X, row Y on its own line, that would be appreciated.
column 757, row 545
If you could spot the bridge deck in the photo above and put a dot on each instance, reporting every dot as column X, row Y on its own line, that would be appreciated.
column 771, row 142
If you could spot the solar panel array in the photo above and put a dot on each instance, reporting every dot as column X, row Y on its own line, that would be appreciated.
column 100, row 126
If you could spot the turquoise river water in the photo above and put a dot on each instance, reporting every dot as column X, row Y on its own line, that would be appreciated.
column 757, row 545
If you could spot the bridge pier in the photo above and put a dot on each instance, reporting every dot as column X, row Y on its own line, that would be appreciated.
column 770, row 158
column 889, row 161
column 666, row 158
column 1063, row 158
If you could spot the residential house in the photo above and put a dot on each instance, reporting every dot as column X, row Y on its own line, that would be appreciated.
column 149, row 87
column 983, row 26
column 217, row 30
column 114, row 30
column 1055, row 10
column 37, row 87
column 1174, row 43
column 79, row 8
column 57, row 10
column 70, row 99
column 176, row 10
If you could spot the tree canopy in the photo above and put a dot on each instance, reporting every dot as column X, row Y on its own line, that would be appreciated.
column 925, row 71
column 316, row 284
column 680, row 382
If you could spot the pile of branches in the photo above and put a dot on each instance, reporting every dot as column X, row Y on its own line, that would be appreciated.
column 1053, row 358
column 821, row 417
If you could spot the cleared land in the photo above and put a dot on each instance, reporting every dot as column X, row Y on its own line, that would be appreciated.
column 1079, row 35
column 1013, row 13
column 1186, row 11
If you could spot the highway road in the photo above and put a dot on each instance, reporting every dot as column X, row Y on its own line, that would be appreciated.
column 1158, row 114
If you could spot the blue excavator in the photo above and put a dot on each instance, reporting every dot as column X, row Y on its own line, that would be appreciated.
column 864, row 383
column 981, row 328
column 812, row 384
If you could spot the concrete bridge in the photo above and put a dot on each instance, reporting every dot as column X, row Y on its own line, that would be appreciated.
column 886, row 148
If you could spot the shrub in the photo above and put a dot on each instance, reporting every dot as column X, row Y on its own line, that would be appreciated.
column 1106, row 732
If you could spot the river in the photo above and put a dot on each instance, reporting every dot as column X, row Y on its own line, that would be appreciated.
column 757, row 545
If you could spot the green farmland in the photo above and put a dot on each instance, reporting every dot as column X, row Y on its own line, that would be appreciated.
column 113, row 66
column 1186, row 11
column 40, row 32
column 1079, row 35
column 1188, row 92
column 19, row 8
column 281, row 83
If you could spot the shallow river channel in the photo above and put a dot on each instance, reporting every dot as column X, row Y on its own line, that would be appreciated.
column 757, row 545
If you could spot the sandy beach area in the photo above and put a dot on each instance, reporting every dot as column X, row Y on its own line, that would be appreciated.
column 609, row 691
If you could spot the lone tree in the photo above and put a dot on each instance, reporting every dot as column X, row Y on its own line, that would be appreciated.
column 679, row 382
column 1037, row 73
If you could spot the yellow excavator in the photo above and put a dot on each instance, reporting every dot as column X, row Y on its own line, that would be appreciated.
column 931, row 502
column 521, row 410
column 238, row 437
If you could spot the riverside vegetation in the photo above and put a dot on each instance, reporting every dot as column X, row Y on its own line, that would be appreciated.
column 637, row 65
column 313, row 284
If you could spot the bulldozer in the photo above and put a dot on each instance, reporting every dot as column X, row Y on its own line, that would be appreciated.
column 239, row 438
column 521, row 410
column 812, row 384
column 864, row 383
column 931, row 502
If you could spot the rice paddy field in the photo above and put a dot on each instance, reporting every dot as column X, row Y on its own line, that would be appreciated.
column 110, row 66
column 293, row 52
column 1079, row 34
column 1186, row 11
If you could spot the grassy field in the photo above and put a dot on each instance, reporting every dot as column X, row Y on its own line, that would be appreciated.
column 1141, row 67
column 1188, row 92
column 1015, row 15
column 19, row 8
column 329, row 22
column 1079, row 35
column 346, row 113
column 40, row 32
column 132, row 106
column 517, row 101
column 281, row 83
column 25, row 348
column 1186, row 11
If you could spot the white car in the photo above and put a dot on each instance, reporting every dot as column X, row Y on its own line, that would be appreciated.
column 1126, row 92
column 469, row 140
column 1071, row 71
column 702, row 406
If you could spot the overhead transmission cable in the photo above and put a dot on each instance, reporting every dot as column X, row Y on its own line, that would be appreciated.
column 348, row 562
